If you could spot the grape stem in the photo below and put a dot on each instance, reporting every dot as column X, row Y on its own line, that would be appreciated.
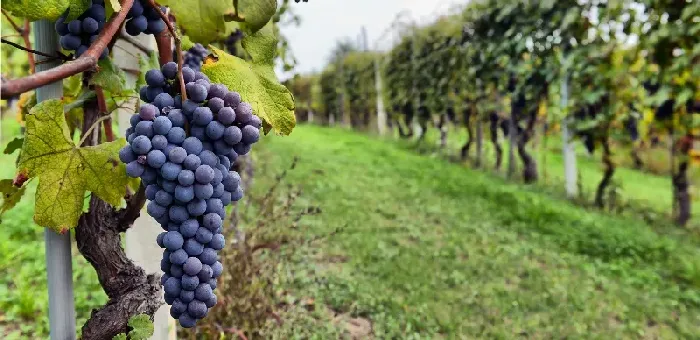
column 92, row 127
column 12, row 22
column 24, row 33
column 28, row 43
column 87, row 61
column 178, row 46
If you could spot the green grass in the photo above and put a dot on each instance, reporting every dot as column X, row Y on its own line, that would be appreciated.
column 432, row 248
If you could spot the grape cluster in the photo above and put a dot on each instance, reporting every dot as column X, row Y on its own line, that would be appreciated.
column 78, row 34
column 231, row 41
column 183, row 151
column 142, row 18
column 194, row 57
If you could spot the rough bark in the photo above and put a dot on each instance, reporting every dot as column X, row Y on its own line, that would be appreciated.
column 407, row 131
column 423, row 123
column 464, row 152
column 680, row 183
column 442, row 125
column 530, row 174
column 479, row 142
column 130, row 290
column 423, row 118
column 512, row 144
column 638, row 163
column 608, row 172
column 493, row 133
column 97, row 235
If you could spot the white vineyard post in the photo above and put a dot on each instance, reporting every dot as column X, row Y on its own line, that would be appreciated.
column 414, row 80
column 569, row 154
column 140, row 239
column 59, row 268
column 381, row 112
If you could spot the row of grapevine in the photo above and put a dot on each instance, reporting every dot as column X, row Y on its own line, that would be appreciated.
column 629, row 66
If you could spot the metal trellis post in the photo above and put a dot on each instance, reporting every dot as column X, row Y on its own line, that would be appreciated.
column 59, row 268
column 568, row 151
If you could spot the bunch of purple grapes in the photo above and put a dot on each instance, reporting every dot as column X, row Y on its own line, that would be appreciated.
column 194, row 57
column 143, row 18
column 183, row 151
column 78, row 34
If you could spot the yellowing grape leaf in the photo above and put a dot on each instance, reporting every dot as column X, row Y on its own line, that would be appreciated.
column 11, row 195
column 202, row 21
column 65, row 171
column 36, row 10
column 115, row 5
column 256, row 81
column 76, row 8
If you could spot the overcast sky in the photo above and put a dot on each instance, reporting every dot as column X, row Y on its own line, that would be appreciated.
column 325, row 21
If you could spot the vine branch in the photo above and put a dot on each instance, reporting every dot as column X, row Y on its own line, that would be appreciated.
column 85, row 62
column 178, row 46
column 102, row 107
column 25, row 36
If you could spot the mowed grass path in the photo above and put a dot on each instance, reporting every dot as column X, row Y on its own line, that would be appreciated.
column 431, row 249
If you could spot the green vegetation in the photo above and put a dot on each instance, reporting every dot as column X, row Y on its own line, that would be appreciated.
column 429, row 247
column 503, row 63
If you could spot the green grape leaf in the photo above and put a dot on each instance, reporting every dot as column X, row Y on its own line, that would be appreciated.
column 202, row 21
column 120, row 336
column 13, row 145
column 65, row 171
column 36, row 10
column 186, row 43
column 141, row 327
column 72, row 85
column 11, row 195
column 76, row 8
column 256, row 13
column 146, row 63
column 109, row 77
column 256, row 81
column 114, row 5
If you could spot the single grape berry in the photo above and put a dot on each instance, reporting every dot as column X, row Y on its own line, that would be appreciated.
column 169, row 70
column 155, row 78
